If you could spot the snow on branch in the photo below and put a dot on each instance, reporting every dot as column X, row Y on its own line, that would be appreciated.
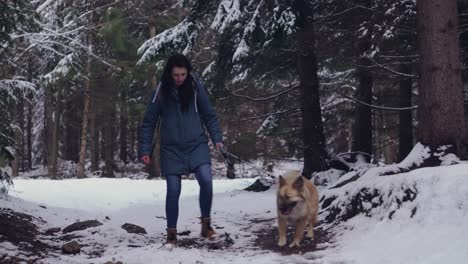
column 181, row 36
column 270, row 123
column 12, row 86
column 44, row 5
column 228, row 14
column 63, row 68
column 17, row 84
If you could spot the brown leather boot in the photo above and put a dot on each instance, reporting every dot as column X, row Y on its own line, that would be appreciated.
column 207, row 231
column 171, row 236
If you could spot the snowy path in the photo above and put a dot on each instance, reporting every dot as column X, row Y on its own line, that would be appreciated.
column 117, row 201
column 435, row 232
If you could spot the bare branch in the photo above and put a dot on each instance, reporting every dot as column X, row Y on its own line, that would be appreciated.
column 392, row 70
column 88, row 12
column 377, row 106
column 268, row 97
column 293, row 110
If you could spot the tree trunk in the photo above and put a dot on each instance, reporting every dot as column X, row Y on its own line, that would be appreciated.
column 18, row 138
column 123, row 127
column 405, row 127
column 155, row 166
column 21, row 131
column 133, row 129
column 84, row 126
column 108, row 143
column 362, row 129
column 29, row 133
column 15, row 162
column 53, row 155
column 48, row 123
column 108, row 122
column 94, row 134
column 155, row 161
column 29, row 118
column 315, row 154
column 72, row 134
column 441, row 120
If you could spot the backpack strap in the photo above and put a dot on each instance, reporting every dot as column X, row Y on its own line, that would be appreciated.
column 195, row 90
column 157, row 92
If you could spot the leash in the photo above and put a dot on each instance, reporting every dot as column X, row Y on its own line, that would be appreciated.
column 226, row 154
column 263, row 175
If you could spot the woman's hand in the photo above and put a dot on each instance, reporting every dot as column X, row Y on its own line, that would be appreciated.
column 146, row 159
column 219, row 145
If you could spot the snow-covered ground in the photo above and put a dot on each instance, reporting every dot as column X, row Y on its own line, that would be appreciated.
column 431, row 229
column 141, row 202
column 436, row 233
column 105, row 194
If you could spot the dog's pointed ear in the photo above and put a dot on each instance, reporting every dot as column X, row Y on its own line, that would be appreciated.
column 299, row 183
column 282, row 181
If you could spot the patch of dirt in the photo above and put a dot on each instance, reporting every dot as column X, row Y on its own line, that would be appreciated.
column 19, row 229
column 267, row 239
column 66, row 238
column 97, row 250
column 224, row 241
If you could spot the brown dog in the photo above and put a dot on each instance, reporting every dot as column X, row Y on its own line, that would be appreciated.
column 297, row 201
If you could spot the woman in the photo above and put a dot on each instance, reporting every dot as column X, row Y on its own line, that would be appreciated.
column 182, row 104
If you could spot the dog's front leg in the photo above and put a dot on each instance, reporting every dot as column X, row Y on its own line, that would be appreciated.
column 282, row 226
column 299, row 234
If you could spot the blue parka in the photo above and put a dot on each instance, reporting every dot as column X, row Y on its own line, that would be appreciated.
column 184, row 144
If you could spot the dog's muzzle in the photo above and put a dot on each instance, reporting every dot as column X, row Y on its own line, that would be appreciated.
column 286, row 208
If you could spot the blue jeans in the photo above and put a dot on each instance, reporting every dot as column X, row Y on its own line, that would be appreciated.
column 174, row 185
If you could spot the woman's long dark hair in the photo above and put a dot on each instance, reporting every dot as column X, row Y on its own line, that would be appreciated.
column 186, row 92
